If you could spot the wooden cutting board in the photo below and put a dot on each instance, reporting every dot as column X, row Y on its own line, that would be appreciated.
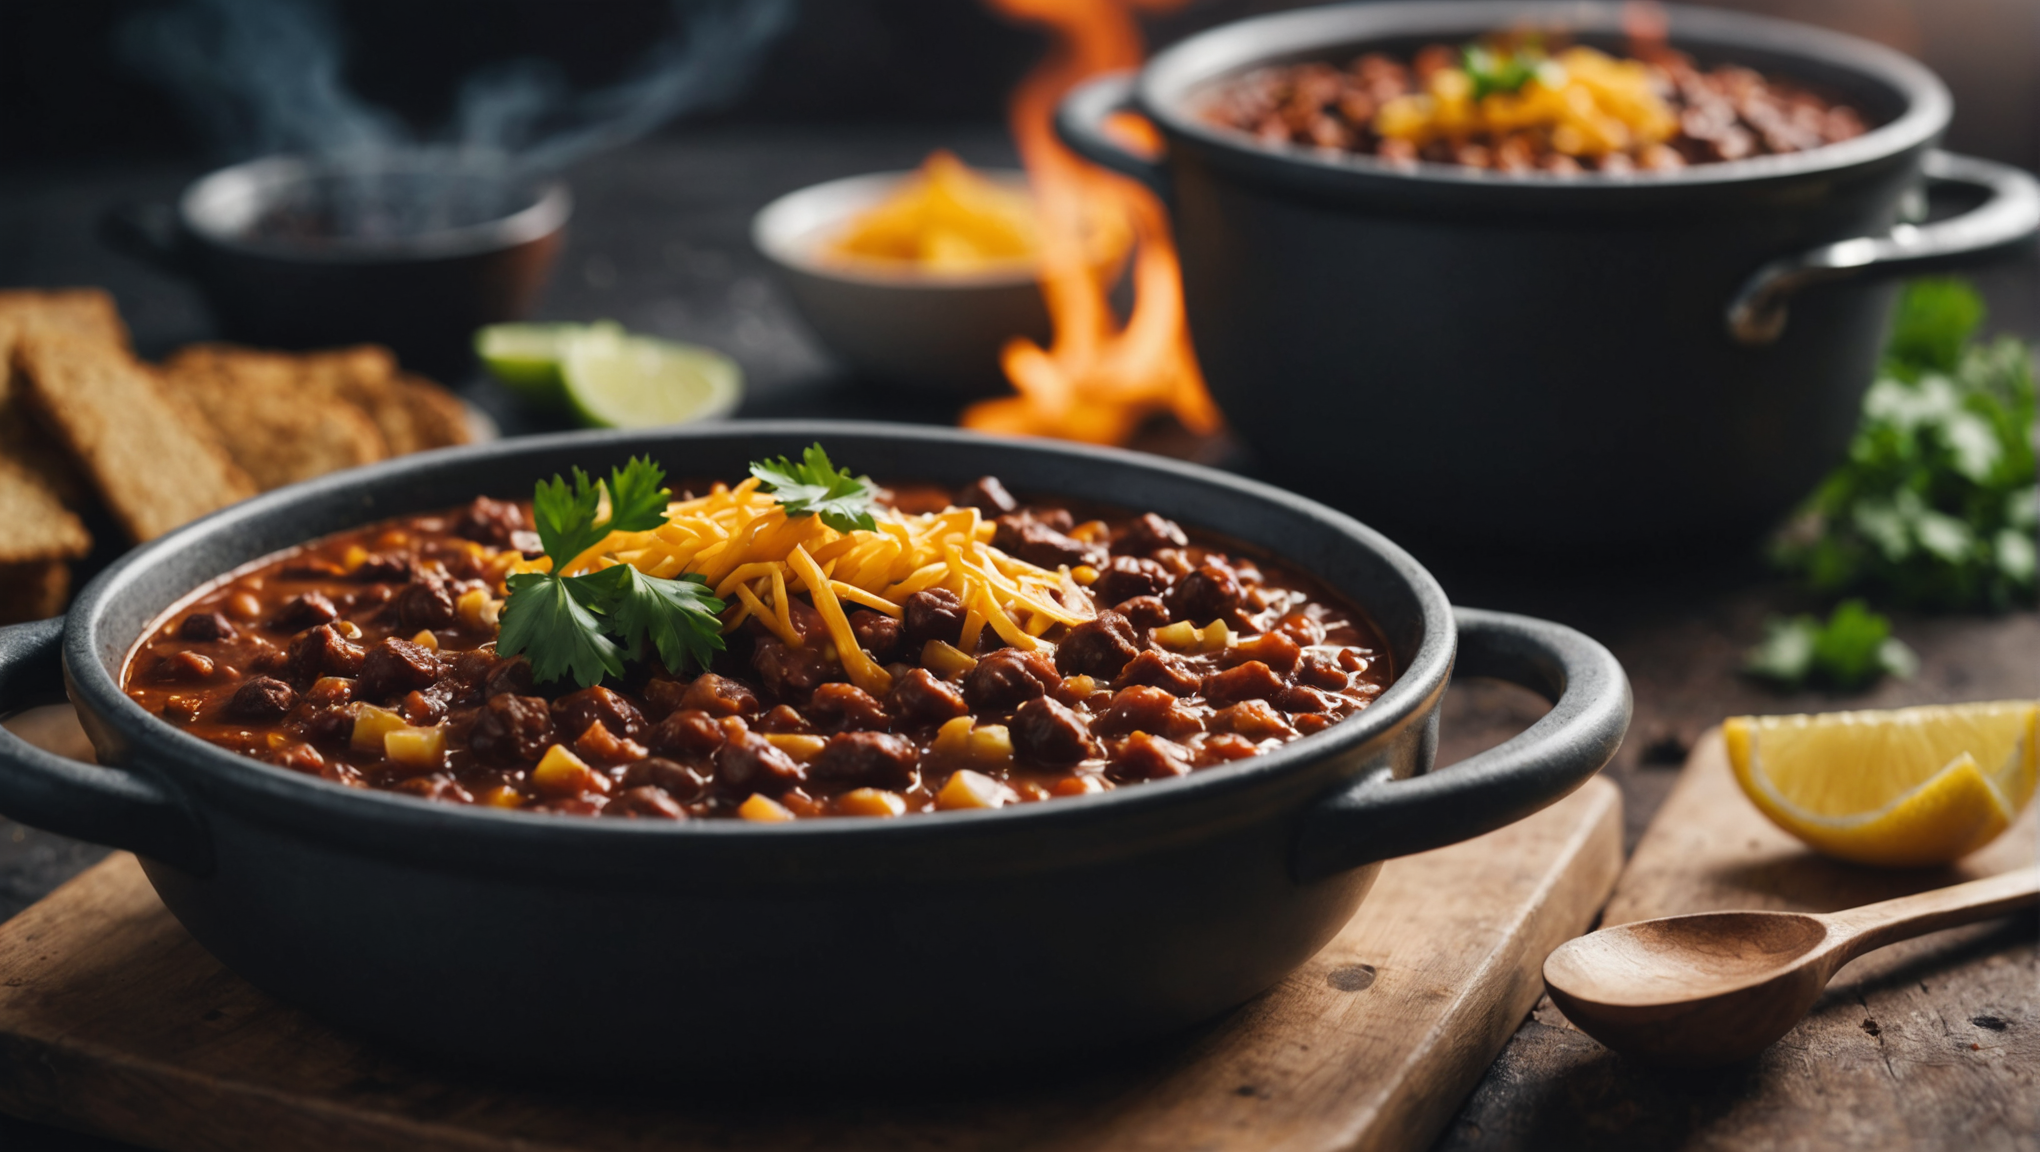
column 112, row 1020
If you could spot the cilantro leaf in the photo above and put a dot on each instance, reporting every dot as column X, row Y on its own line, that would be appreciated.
column 1850, row 650
column 637, row 496
column 680, row 616
column 566, row 517
column 547, row 618
column 815, row 487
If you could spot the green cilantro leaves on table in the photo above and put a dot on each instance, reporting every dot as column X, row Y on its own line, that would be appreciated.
column 816, row 487
column 1851, row 650
column 572, row 625
column 1936, row 505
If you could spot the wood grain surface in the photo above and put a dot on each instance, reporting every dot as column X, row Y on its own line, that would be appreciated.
column 112, row 1020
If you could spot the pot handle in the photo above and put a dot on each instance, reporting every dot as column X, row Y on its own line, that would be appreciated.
column 148, row 232
column 1379, row 817
column 1080, row 121
column 2009, row 215
column 85, row 801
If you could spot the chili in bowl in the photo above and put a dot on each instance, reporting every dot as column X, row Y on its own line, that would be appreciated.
column 565, row 936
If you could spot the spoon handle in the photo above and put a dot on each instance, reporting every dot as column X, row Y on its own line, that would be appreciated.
column 1875, row 925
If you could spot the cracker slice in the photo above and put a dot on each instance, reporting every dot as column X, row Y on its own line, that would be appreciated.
column 278, row 431
column 39, row 527
column 88, row 312
column 153, row 463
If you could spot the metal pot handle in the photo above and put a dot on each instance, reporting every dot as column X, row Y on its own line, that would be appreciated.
column 103, row 805
column 2011, row 215
column 1379, row 817
column 1080, row 120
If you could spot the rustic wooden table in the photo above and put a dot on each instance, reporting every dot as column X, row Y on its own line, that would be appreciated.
column 659, row 244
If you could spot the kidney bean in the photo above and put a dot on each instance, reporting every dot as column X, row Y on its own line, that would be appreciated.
column 877, row 633
column 304, row 611
column 784, row 720
column 1022, row 535
column 202, row 627
column 489, row 521
column 322, row 652
column 987, row 495
column 1277, row 651
column 792, row 672
column 1253, row 719
column 1313, row 722
column 299, row 758
column 599, row 745
column 1048, row 733
column 687, row 732
column 388, row 568
column 395, row 667
column 1250, row 681
column 1159, row 670
column 1226, row 747
column 425, row 602
column 186, row 665
column 1207, row 593
column 936, row 614
column 1147, row 533
column 1127, row 577
column 1298, row 698
column 869, row 760
column 719, row 696
column 1005, row 679
column 328, row 725
column 1143, row 612
column 748, row 763
column 512, row 729
column 846, row 707
column 262, row 698
column 1299, row 626
column 1098, row 647
column 598, row 705
column 919, row 697
column 1144, row 756
column 1320, row 671
column 1146, row 709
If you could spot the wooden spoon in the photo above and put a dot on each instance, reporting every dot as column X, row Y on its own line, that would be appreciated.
column 1714, row 987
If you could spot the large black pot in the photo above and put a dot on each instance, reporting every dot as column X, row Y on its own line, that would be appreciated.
column 1541, row 360
column 589, row 946
column 412, row 248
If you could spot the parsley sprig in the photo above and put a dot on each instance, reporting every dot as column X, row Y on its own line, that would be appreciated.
column 816, row 487
column 584, row 626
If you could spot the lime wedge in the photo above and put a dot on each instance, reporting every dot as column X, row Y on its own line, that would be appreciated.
column 526, row 357
column 618, row 381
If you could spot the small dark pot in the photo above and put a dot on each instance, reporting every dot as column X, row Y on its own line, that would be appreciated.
column 596, row 946
column 1535, row 360
column 444, row 243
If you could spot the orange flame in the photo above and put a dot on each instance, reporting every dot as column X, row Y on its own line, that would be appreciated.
column 1098, row 380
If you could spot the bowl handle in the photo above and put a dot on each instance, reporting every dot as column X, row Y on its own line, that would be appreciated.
column 112, row 806
column 1379, row 817
column 2009, row 215
column 1081, row 118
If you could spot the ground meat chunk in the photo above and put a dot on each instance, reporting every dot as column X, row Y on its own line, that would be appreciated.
column 598, row 705
column 846, row 707
column 1007, row 678
column 687, row 732
column 1298, row 698
column 1320, row 671
column 1144, row 612
column 792, row 673
column 388, row 568
column 322, row 652
column 330, row 725
column 423, row 709
column 988, row 495
column 679, row 781
column 1048, row 733
column 1145, row 756
column 1250, row 681
column 876, row 633
column 936, row 614
column 1149, row 533
column 749, row 763
column 1127, row 577
column 1207, row 593
column 920, row 698
column 262, row 698
column 204, row 626
column 1036, row 541
column 598, row 745
column 304, row 611
column 1298, row 626
column 395, row 667
column 507, row 674
column 867, row 759
column 425, row 603
column 1145, row 709
column 511, row 730
column 488, row 521
column 1099, row 647
column 720, row 696
column 1277, row 651
column 1159, row 670
column 785, row 719
column 648, row 800
column 1253, row 719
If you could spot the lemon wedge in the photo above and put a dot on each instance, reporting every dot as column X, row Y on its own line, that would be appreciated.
column 1908, row 787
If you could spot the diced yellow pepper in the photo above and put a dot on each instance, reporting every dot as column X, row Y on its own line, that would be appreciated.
column 426, row 639
column 420, row 748
column 501, row 796
column 991, row 744
column 371, row 724
column 953, row 738
column 1182, row 636
column 1084, row 574
column 945, row 659
column 354, row 557
column 349, row 629
column 764, row 809
column 802, row 748
column 968, row 789
column 470, row 606
column 561, row 773
column 871, row 802
column 1081, row 685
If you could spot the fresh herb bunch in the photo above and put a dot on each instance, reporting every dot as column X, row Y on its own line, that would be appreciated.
column 584, row 626
column 1501, row 69
column 816, row 487
column 1936, row 505
column 1850, row 650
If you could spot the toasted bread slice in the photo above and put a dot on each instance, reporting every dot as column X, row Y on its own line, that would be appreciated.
column 438, row 415
column 35, row 590
column 87, row 312
column 39, row 527
column 150, row 459
column 277, row 430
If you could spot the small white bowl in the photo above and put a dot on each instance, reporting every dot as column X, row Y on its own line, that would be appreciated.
column 937, row 332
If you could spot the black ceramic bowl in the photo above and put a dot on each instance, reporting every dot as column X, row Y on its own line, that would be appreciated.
column 588, row 946
column 412, row 248
column 1597, row 361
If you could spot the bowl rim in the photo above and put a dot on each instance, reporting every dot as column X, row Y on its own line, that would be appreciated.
column 780, row 232
column 1167, row 88
column 458, row 833
column 551, row 205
